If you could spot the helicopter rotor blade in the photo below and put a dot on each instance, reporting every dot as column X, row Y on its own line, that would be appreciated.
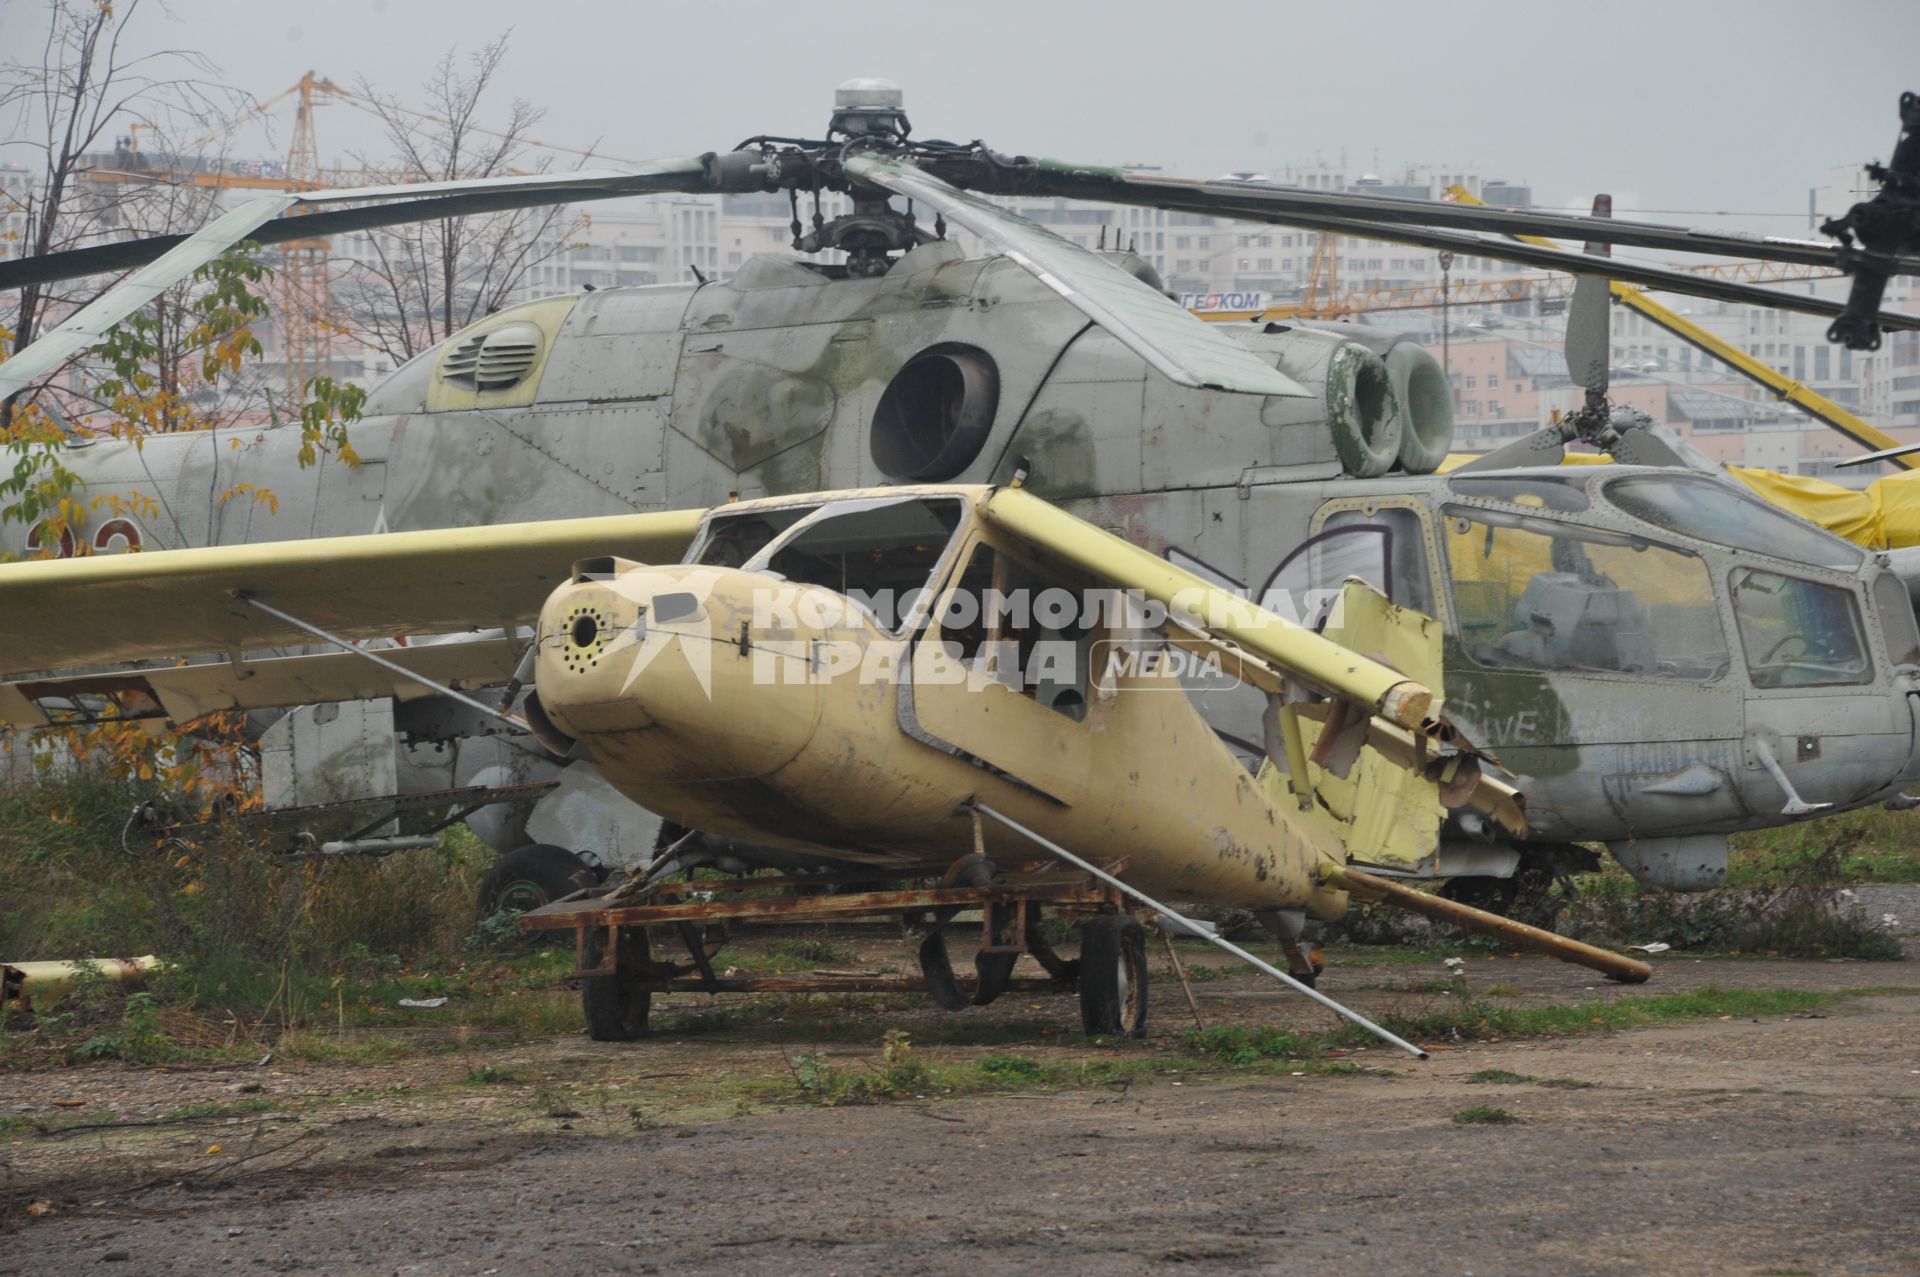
column 1147, row 322
column 1284, row 203
column 1651, row 278
column 386, row 206
column 1589, row 344
column 1546, row 446
column 170, row 259
column 1247, row 202
column 1885, row 454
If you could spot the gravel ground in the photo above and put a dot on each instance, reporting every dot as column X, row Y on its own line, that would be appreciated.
column 1780, row 1146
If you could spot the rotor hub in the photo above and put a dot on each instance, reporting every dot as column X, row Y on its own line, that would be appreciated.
column 869, row 107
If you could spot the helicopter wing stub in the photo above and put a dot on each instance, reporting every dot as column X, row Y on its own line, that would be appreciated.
column 63, row 614
column 166, row 260
column 1151, row 325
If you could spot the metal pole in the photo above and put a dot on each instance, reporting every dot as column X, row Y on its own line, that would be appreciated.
column 392, row 667
column 1613, row 965
column 1186, row 986
column 1220, row 942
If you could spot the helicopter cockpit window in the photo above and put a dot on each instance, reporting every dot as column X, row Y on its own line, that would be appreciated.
column 1713, row 511
column 878, row 552
column 1565, row 494
column 1798, row 633
column 1024, row 629
column 1385, row 549
column 1536, row 593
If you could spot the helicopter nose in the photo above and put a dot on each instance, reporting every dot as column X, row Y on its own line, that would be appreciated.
column 652, row 668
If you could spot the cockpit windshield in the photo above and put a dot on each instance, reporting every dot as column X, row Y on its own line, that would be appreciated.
column 1714, row 511
column 878, row 551
column 1542, row 594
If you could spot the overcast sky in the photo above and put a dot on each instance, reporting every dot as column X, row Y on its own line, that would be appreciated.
column 1670, row 104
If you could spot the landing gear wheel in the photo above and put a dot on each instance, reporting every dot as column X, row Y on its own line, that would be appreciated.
column 1113, row 977
column 534, row 875
column 617, row 1005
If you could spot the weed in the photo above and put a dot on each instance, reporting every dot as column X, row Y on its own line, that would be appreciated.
column 549, row 1102
column 1484, row 1115
column 491, row 1075
column 1502, row 1077
column 1011, row 1068
column 901, row 1073
column 247, row 931
column 498, row 932
column 1790, row 903
column 802, row 951
column 1238, row 1046
column 1463, row 1021
column 1868, row 845
column 1371, row 924
column 1207, row 972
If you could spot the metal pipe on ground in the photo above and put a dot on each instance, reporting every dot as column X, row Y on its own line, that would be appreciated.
column 30, row 984
column 1612, row 965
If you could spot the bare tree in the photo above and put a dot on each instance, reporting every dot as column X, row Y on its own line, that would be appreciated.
column 77, row 112
column 406, row 288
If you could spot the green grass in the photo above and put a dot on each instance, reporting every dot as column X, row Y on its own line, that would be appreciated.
column 492, row 1075
column 1872, row 845
column 1484, row 1115
column 1501, row 1077
column 1480, row 1020
column 801, row 952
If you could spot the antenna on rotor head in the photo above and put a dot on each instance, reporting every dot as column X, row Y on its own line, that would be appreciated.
column 869, row 107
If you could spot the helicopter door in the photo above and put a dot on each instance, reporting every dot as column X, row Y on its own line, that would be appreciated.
column 1003, row 674
column 1385, row 547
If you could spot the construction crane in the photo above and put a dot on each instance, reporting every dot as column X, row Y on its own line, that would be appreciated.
column 301, row 292
column 1809, row 401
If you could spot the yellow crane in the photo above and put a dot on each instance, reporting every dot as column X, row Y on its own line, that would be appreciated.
column 1783, row 387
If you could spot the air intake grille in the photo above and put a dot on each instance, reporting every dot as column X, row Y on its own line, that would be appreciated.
column 496, row 360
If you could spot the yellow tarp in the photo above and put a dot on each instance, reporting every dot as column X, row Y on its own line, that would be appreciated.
column 1886, row 516
column 1857, row 516
column 1898, row 496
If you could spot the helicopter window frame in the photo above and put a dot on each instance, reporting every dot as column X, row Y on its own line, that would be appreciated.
column 1570, row 491
column 929, row 589
column 1420, row 542
column 1770, row 645
column 1689, row 519
column 988, row 632
column 1488, row 521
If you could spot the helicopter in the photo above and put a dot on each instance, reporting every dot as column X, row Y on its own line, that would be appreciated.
column 1659, row 658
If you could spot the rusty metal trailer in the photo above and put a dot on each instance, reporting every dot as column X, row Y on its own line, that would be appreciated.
column 618, row 971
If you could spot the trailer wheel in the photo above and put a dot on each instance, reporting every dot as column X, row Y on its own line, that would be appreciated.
column 617, row 1005
column 1113, row 976
column 531, row 876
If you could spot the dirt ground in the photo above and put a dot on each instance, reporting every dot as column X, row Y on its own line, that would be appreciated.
column 1774, row 1146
